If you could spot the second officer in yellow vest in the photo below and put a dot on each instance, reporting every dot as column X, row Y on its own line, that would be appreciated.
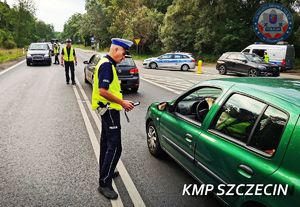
column 56, row 53
column 107, row 98
column 68, row 57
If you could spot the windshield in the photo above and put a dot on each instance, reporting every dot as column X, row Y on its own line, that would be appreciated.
column 127, row 62
column 38, row 47
column 254, row 58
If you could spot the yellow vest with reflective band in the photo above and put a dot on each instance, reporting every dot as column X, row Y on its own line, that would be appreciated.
column 114, row 88
column 56, row 50
column 66, row 57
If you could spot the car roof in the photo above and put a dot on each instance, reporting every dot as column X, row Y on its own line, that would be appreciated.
column 178, row 53
column 45, row 43
column 103, row 54
column 283, row 88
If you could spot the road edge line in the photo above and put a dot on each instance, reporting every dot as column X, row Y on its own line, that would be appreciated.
column 115, row 203
column 129, row 185
column 11, row 67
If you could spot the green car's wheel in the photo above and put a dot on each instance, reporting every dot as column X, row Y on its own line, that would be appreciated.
column 153, row 141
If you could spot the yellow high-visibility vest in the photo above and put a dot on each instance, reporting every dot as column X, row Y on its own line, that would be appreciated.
column 266, row 58
column 56, row 50
column 71, row 57
column 114, row 88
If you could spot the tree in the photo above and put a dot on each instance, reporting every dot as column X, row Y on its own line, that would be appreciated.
column 72, row 28
column 24, row 22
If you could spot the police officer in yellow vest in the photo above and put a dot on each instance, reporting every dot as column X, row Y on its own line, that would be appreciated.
column 266, row 57
column 56, row 53
column 68, row 57
column 107, row 95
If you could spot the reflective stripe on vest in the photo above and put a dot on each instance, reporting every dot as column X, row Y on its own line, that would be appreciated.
column 71, row 57
column 114, row 88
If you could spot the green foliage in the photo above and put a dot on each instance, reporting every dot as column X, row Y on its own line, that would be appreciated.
column 208, row 27
column 9, row 44
column 19, row 27
column 72, row 28
column 10, row 54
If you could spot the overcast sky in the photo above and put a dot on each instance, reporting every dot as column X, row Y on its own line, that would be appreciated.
column 56, row 12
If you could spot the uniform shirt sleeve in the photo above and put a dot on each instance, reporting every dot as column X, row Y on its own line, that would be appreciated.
column 74, row 52
column 105, row 75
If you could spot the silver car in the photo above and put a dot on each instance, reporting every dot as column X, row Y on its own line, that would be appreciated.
column 38, row 53
column 177, row 60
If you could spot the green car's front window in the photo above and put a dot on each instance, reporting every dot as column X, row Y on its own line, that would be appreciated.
column 203, row 93
column 195, row 106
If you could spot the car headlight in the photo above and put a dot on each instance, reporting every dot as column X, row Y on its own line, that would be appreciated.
column 28, row 55
column 262, row 67
column 46, row 55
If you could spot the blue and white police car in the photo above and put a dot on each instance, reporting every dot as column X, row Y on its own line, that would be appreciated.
column 177, row 60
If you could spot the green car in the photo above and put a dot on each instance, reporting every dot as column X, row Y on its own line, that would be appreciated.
column 234, row 132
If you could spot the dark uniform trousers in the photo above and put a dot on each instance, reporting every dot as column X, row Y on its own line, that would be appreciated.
column 110, row 146
column 56, row 59
column 69, row 65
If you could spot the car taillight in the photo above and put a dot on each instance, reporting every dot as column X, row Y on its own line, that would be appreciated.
column 283, row 62
column 134, row 71
column 193, row 60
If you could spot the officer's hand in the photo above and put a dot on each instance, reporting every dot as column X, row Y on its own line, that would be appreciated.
column 62, row 64
column 127, row 105
column 76, row 63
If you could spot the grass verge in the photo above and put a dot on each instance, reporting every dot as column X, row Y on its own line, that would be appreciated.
column 11, row 54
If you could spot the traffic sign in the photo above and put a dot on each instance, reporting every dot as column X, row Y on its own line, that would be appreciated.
column 137, row 40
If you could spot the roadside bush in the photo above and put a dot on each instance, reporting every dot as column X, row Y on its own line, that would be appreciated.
column 9, row 44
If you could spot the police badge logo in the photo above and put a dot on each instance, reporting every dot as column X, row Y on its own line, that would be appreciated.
column 273, row 23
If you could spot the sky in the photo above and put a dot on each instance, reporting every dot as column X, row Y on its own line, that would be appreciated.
column 56, row 12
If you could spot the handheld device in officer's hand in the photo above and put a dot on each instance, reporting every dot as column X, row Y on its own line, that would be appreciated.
column 136, row 103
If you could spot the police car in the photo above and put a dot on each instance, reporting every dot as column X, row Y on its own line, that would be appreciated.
column 177, row 60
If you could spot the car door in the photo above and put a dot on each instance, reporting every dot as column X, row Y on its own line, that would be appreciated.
column 241, row 64
column 165, row 61
column 231, row 62
column 180, row 128
column 178, row 61
column 240, row 142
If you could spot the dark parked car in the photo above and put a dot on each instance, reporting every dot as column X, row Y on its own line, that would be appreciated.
column 246, row 63
column 38, row 53
column 127, row 71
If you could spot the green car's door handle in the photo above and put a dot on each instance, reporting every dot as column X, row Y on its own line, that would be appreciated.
column 245, row 171
column 188, row 137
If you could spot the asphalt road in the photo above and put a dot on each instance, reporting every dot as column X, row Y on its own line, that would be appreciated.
column 49, row 139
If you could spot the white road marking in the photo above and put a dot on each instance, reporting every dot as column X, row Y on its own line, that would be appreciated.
column 12, row 67
column 159, row 85
column 115, row 203
column 131, row 189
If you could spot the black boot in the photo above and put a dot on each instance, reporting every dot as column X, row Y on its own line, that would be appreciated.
column 108, row 192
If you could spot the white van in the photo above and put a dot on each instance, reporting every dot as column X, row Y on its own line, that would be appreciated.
column 282, row 55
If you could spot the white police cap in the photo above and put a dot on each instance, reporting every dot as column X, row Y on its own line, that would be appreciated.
column 126, row 44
